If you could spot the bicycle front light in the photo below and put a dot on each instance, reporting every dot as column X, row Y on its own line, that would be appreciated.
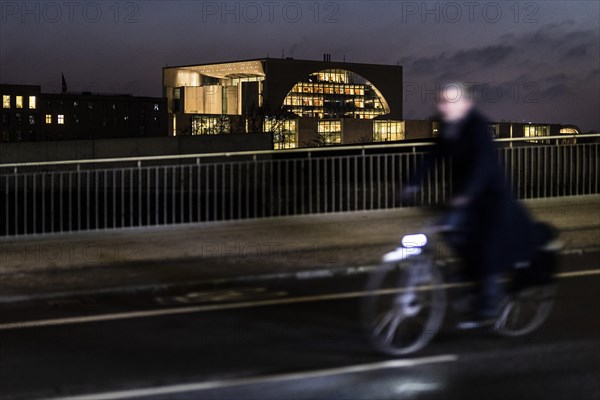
column 416, row 240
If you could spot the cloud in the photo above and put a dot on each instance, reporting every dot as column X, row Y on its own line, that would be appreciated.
column 576, row 52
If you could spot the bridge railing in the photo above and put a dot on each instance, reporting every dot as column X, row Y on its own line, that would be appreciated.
column 57, row 201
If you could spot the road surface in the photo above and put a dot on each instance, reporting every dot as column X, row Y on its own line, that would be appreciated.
column 286, row 339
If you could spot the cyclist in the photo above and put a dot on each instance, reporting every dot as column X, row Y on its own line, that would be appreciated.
column 486, row 227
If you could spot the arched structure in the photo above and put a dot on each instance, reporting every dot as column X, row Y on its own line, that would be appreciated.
column 335, row 93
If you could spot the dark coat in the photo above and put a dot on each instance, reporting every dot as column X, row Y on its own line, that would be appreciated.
column 501, row 231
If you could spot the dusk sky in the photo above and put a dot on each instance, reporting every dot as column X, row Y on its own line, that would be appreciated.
column 534, row 61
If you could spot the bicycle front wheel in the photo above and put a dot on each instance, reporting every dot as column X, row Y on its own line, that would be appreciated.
column 404, row 306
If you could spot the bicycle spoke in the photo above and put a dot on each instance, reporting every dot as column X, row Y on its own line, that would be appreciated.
column 389, row 337
column 515, row 315
column 384, row 321
column 501, row 322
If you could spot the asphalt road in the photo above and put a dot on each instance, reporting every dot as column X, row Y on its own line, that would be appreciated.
column 297, row 339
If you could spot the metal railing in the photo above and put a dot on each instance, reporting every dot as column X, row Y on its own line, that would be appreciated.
column 34, row 203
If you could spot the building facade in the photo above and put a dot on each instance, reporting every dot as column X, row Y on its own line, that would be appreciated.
column 302, row 102
column 30, row 115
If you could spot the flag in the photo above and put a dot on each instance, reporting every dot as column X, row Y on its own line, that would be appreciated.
column 64, row 88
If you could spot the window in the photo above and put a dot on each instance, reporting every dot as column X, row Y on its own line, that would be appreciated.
column 60, row 119
column 5, row 135
column 330, row 132
column 48, row 118
column 569, row 131
column 536, row 131
column 285, row 132
column 210, row 124
column 75, row 103
column 494, row 130
column 388, row 130
column 5, row 101
column 19, row 118
column 435, row 129
column 31, row 119
column 19, row 101
column 156, row 107
column 336, row 94
column 32, row 102
column 5, row 118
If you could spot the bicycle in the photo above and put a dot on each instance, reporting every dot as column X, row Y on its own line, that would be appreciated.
column 407, row 295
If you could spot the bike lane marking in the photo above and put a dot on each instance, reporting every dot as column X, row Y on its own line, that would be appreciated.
column 240, row 305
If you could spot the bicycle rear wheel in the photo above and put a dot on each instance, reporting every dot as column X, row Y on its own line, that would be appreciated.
column 404, row 307
column 526, row 310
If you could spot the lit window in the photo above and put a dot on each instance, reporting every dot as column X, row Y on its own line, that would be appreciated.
column 536, row 131
column 210, row 124
column 48, row 118
column 569, row 131
column 284, row 131
column 5, row 101
column 330, row 132
column 336, row 94
column 32, row 102
column 388, row 130
column 61, row 119
column 19, row 102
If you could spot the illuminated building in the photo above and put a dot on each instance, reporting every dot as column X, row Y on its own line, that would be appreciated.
column 302, row 102
column 30, row 115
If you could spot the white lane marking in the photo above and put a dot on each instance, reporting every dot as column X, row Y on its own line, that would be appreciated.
column 194, row 387
column 205, row 308
column 239, row 305
column 578, row 273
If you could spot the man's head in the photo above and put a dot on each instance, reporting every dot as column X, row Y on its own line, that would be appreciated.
column 454, row 102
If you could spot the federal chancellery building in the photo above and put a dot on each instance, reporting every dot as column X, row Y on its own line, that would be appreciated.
column 303, row 103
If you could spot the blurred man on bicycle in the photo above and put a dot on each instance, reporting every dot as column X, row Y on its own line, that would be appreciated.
column 486, row 227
